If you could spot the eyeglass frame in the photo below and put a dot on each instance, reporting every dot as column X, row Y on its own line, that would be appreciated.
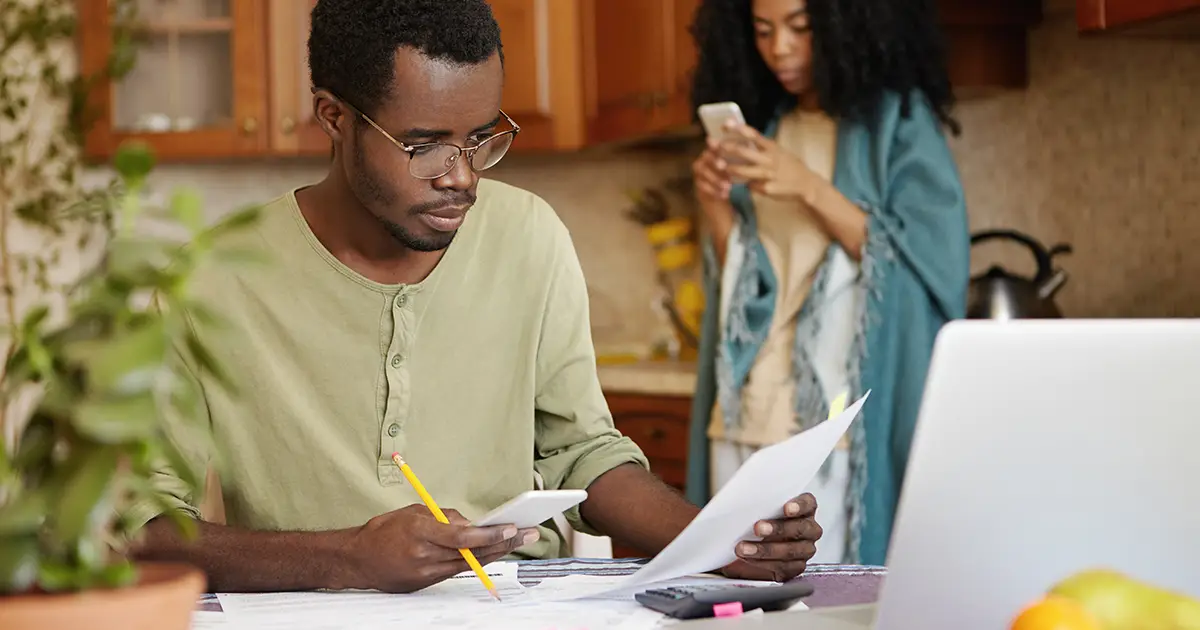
column 469, row 152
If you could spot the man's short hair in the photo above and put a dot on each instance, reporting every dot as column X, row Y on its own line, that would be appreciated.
column 353, row 43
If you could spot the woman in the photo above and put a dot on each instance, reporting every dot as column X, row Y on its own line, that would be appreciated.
column 836, row 243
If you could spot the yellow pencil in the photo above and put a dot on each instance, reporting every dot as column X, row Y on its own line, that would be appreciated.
column 437, row 513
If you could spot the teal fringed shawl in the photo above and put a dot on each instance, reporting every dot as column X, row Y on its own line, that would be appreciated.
column 913, row 279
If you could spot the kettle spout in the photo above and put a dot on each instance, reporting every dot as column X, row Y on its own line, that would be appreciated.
column 1047, row 289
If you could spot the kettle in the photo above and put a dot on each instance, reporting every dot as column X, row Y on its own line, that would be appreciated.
column 998, row 294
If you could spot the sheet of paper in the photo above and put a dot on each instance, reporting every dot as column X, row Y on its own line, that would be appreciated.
column 758, row 490
column 455, row 603
column 458, row 592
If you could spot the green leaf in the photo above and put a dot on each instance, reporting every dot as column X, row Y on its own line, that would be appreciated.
column 85, row 502
column 55, row 577
column 129, row 363
column 186, row 207
column 117, row 420
column 207, row 362
column 134, row 161
column 232, row 222
column 120, row 573
column 18, row 563
column 180, row 465
column 36, row 443
column 34, row 320
column 24, row 516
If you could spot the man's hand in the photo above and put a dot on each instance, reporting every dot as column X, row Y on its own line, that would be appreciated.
column 786, row 547
column 408, row 549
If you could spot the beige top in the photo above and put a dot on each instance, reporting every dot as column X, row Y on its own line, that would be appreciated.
column 795, row 244
column 482, row 376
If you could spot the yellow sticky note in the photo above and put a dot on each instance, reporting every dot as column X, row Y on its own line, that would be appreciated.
column 838, row 405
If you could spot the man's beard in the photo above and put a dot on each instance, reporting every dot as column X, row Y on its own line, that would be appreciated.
column 369, row 184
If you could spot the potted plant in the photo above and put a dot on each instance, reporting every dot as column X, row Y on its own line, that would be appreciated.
column 105, row 378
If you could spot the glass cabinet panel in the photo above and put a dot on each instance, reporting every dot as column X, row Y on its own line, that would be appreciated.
column 184, row 76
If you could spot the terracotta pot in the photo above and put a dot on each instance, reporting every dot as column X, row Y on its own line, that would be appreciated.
column 163, row 599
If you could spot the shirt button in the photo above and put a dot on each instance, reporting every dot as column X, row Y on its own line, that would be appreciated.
column 396, row 360
column 400, row 300
column 393, row 430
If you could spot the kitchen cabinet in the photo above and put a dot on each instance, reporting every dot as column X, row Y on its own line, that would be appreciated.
column 1143, row 17
column 197, row 89
column 987, row 43
column 658, row 424
column 219, row 79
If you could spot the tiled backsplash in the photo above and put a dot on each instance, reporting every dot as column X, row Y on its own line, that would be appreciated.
column 1102, row 151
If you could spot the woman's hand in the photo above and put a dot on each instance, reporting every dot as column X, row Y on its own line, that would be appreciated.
column 712, row 185
column 770, row 170
column 766, row 167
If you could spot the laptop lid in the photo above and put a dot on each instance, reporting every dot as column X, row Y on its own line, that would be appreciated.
column 1044, row 448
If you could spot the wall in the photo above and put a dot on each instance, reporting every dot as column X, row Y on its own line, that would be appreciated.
column 1102, row 152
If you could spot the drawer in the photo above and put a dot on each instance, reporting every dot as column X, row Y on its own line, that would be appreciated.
column 673, row 472
column 658, row 437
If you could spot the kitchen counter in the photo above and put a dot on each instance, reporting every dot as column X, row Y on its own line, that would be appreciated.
column 656, row 378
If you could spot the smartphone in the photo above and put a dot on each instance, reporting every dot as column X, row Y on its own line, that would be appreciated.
column 714, row 116
column 532, row 508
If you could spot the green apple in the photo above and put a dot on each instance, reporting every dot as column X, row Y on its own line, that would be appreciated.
column 1120, row 602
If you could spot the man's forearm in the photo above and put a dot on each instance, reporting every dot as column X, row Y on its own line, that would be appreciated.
column 238, row 560
column 631, row 505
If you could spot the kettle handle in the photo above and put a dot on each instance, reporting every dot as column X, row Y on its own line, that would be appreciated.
column 1040, row 254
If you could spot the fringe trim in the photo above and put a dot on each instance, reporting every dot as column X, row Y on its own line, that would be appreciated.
column 737, row 329
column 810, row 404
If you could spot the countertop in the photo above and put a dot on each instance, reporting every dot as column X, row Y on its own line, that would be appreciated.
column 661, row 378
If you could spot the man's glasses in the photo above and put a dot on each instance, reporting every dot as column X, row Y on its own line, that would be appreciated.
column 431, row 160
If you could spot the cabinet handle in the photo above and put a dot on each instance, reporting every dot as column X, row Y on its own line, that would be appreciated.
column 661, row 99
column 250, row 125
column 287, row 125
column 657, row 434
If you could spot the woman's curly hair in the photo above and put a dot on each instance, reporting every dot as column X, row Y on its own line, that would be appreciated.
column 861, row 50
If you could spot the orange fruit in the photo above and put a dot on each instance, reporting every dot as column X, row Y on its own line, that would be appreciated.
column 1055, row 613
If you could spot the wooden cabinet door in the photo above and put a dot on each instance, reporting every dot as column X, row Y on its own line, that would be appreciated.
column 525, row 30
column 198, row 88
column 294, row 130
column 627, row 79
column 682, row 63
column 1099, row 15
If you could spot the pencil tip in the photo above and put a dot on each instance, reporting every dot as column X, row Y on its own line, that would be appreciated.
column 494, row 593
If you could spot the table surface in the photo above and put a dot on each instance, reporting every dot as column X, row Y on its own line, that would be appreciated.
column 833, row 584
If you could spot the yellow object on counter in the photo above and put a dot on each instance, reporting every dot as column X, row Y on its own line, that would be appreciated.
column 664, row 232
column 678, row 256
column 689, row 301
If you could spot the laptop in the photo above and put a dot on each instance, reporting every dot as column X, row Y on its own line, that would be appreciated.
column 1043, row 447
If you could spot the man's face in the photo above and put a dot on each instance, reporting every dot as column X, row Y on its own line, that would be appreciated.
column 430, row 101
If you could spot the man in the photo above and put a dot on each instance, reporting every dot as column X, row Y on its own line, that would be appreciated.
column 414, row 308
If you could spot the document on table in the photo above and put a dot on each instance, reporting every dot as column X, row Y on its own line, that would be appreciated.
column 757, row 491
column 462, row 592
column 460, row 602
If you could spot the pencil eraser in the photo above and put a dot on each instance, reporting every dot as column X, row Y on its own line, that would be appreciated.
column 730, row 609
